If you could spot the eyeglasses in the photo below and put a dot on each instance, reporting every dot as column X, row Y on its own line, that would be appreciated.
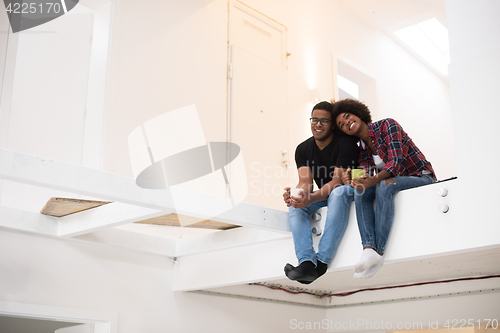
column 323, row 121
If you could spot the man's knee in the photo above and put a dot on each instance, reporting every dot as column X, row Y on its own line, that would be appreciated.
column 341, row 191
column 292, row 212
column 341, row 194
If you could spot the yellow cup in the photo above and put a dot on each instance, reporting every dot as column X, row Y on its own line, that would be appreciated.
column 357, row 173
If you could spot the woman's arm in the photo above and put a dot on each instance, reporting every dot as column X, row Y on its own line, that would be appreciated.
column 392, row 133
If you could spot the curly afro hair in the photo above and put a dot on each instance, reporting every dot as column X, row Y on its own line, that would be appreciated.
column 351, row 106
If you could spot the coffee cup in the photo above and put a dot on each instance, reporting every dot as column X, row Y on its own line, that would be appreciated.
column 296, row 192
column 357, row 173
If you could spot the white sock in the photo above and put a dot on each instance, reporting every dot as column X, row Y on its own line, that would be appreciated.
column 370, row 271
column 368, row 259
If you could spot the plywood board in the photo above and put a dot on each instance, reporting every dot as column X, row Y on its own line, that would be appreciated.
column 60, row 207
column 187, row 221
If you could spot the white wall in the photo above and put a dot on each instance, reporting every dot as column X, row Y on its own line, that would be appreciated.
column 50, row 88
column 95, row 113
column 406, row 89
column 68, row 273
column 8, row 40
column 4, row 75
column 182, row 60
column 4, row 37
column 45, row 114
column 176, row 55
column 474, row 81
column 165, row 55
column 474, row 69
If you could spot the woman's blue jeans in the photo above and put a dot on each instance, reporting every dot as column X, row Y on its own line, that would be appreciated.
column 335, row 224
column 375, row 223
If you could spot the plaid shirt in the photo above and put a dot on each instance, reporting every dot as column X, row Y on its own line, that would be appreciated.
column 395, row 148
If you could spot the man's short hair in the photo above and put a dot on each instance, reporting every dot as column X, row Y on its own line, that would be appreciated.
column 327, row 106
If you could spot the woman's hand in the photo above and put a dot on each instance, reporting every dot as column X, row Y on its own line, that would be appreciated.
column 364, row 182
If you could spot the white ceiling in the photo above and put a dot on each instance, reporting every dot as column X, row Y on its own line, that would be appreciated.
column 380, row 14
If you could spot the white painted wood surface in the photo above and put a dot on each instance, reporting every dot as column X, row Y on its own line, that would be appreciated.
column 33, row 170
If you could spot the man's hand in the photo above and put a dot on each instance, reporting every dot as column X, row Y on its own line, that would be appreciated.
column 301, row 202
column 346, row 177
column 295, row 202
column 286, row 196
column 364, row 182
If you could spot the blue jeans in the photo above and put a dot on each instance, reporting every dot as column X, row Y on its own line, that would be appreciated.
column 335, row 224
column 375, row 223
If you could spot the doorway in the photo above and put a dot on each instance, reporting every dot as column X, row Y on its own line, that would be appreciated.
column 45, row 318
column 258, row 102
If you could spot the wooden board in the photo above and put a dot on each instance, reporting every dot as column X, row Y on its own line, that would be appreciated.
column 60, row 207
column 190, row 222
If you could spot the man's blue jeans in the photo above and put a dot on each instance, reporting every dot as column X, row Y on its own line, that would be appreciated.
column 375, row 223
column 335, row 224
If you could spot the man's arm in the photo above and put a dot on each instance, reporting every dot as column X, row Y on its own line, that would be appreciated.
column 319, row 195
column 305, row 183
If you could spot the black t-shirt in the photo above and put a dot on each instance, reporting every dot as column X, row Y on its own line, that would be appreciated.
column 342, row 152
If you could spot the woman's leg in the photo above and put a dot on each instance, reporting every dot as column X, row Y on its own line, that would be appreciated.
column 384, row 215
column 365, row 215
column 384, row 204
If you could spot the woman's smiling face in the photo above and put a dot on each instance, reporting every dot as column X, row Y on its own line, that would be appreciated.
column 348, row 123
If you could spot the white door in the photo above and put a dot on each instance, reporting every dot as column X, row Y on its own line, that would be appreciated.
column 258, row 120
